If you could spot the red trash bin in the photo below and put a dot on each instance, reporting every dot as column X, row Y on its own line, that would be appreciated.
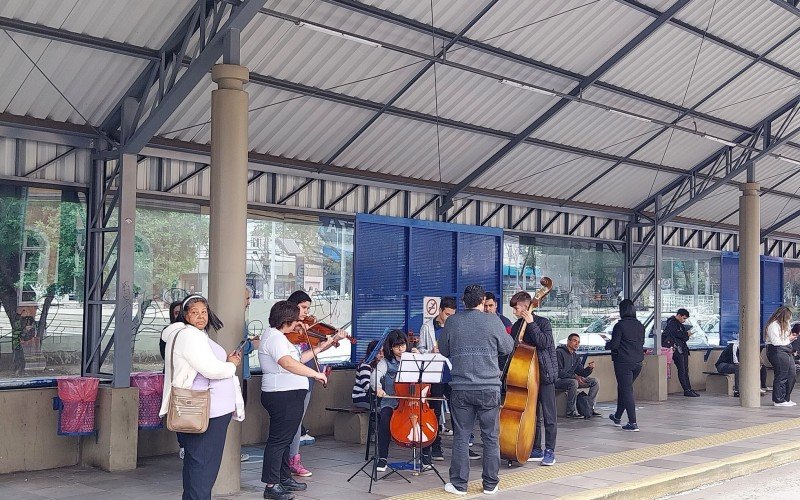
column 151, row 387
column 75, row 405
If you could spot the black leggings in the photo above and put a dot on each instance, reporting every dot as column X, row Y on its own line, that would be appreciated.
column 285, row 410
column 626, row 373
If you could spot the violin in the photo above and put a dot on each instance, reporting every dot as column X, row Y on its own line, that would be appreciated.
column 312, row 332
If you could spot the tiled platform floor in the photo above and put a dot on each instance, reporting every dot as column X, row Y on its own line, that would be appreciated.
column 333, row 462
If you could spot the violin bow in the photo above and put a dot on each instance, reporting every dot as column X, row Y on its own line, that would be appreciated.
column 313, row 354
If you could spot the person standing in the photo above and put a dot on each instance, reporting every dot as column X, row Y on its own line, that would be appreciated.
column 197, row 362
column 627, row 353
column 490, row 306
column 428, row 342
column 473, row 340
column 284, row 385
column 779, row 338
column 536, row 331
column 676, row 335
column 572, row 375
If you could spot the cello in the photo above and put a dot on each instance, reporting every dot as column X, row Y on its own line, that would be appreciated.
column 518, row 412
column 413, row 422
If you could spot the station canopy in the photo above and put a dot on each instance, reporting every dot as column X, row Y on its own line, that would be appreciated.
column 599, row 105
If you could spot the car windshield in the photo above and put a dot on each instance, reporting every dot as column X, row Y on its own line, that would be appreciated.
column 597, row 326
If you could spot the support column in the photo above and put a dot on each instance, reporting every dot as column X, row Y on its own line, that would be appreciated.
column 228, row 232
column 123, row 317
column 749, row 295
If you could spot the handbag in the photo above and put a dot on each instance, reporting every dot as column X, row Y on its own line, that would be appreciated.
column 188, row 408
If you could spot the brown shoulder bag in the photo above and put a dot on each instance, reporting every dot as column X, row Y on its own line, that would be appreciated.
column 188, row 408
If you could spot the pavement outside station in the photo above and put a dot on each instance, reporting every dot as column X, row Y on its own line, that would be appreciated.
column 678, row 437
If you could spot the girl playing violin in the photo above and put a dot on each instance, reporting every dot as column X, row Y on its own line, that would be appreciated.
column 385, row 373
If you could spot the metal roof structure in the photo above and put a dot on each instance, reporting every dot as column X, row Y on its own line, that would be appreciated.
column 572, row 106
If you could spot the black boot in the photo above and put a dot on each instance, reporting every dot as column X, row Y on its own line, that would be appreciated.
column 292, row 485
column 277, row 492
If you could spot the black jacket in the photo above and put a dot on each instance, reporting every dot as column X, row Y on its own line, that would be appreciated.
column 679, row 334
column 539, row 334
column 569, row 364
column 627, row 339
column 726, row 356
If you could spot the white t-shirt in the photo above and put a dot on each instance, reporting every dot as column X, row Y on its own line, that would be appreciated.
column 273, row 346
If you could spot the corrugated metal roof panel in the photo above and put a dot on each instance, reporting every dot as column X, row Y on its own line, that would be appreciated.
column 405, row 147
column 625, row 186
column 681, row 149
column 755, row 25
column 475, row 99
column 451, row 15
column 752, row 96
column 716, row 206
column 661, row 67
column 146, row 23
column 788, row 54
column 278, row 48
column 572, row 35
column 92, row 80
column 593, row 128
column 538, row 171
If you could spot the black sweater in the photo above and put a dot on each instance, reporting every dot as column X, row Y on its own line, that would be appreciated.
column 539, row 334
column 627, row 341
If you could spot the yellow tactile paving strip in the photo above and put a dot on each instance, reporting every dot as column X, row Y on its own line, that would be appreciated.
column 533, row 475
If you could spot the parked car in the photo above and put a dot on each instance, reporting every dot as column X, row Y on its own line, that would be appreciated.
column 598, row 332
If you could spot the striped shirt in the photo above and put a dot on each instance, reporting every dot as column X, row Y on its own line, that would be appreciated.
column 361, row 387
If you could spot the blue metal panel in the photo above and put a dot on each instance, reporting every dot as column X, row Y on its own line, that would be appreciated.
column 771, row 287
column 729, row 297
column 399, row 261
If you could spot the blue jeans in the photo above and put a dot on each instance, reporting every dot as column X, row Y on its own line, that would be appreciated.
column 465, row 408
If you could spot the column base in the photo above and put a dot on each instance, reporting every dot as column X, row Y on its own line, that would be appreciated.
column 117, row 423
column 651, row 385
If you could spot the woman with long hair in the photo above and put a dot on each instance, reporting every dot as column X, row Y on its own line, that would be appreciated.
column 194, row 361
column 779, row 337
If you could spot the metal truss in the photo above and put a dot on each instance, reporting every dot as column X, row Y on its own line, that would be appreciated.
column 725, row 164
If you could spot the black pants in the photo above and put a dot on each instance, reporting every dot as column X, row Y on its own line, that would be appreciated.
column 546, row 414
column 728, row 368
column 783, row 366
column 285, row 410
column 681, row 362
column 202, row 456
column 438, row 390
column 626, row 373
column 385, row 436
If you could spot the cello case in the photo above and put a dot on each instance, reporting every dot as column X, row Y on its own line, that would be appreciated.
column 518, row 412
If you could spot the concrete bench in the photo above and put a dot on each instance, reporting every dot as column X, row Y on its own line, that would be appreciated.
column 351, row 425
column 719, row 383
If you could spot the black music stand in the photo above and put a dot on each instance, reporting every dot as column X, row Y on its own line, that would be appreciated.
column 372, row 442
column 418, row 368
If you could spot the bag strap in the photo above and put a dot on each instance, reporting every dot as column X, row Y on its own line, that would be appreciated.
column 172, row 357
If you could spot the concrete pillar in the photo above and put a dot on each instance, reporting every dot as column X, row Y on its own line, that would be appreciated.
column 749, row 295
column 117, row 422
column 228, row 232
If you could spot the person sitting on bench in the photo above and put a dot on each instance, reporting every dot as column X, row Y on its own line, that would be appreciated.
column 728, row 363
column 572, row 375
column 361, row 387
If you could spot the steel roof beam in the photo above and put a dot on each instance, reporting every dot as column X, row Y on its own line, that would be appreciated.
column 777, row 225
column 721, row 152
column 790, row 5
column 411, row 82
column 447, row 201
column 240, row 15
column 695, row 106
column 419, row 27
column 710, row 37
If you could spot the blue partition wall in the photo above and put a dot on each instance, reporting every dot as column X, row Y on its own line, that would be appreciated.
column 771, row 288
column 399, row 261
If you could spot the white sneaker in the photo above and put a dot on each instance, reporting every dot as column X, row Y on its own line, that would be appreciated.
column 490, row 492
column 763, row 391
column 306, row 439
column 181, row 453
column 785, row 403
column 446, row 432
column 792, row 403
column 244, row 457
column 452, row 489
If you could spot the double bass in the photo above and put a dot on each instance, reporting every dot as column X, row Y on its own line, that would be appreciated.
column 518, row 413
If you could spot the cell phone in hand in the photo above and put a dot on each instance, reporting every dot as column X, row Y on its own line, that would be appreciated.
column 241, row 345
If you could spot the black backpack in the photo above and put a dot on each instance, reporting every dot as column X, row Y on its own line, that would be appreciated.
column 667, row 340
column 582, row 405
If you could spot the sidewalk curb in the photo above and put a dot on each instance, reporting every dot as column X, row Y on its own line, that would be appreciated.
column 686, row 479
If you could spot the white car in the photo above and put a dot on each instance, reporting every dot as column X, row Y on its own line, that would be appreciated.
column 599, row 332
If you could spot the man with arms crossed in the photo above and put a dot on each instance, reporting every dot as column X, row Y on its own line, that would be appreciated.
column 473, row 340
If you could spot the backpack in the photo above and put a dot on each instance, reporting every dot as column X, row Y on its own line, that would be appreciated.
column 582, row 405
column 667, row 340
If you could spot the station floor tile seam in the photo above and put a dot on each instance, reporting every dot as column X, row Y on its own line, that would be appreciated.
column 536, row 474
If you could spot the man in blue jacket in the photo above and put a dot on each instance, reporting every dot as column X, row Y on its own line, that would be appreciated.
column 572, row 375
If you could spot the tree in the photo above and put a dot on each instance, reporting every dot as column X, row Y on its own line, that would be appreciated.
column 12, row 215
